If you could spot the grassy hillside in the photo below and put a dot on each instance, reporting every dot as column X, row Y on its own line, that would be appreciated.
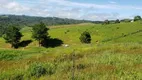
column 21, row 21
column 114, row 54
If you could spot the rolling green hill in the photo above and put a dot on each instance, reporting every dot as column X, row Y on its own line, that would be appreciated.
column 115, row 53
column 23, row 20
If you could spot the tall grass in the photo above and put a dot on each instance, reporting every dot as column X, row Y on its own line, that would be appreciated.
column 118, row 59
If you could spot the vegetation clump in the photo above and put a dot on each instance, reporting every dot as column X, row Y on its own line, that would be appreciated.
column 50, row 68
column 85, row 37
column 39, row 69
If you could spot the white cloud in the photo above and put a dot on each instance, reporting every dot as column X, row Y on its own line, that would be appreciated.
column 12, row 7
column 68, row 3
column 64, row 9
column 101, row 16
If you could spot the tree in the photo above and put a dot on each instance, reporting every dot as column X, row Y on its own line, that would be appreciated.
column 12, row 36
column 106, row 22
column 137, row 18
column 117, row 21
column 85, row 37
column 40, row 32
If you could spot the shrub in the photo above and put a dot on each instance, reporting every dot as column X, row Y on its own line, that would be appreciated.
column 85, row 37
column 50, row 68
column 36, row 69
column 39, row 69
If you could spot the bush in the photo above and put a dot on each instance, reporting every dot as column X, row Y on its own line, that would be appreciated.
column 85, row 37
column 50, row 68
column 36, row 69
column 39, row 69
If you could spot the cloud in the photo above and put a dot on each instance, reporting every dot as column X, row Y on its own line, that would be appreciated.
column 12, row 7
column 101, row 16
column 64, row 9
column 68, row 3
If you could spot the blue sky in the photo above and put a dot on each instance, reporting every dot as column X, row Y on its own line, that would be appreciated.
column 76, row 9
column 121, row 2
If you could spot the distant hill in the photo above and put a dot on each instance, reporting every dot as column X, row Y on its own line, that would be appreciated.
column 23, row 20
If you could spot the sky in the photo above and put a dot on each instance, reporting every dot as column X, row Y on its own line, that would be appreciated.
column 76, row 9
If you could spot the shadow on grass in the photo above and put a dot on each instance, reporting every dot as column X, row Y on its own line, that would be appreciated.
column 52, row 42
column 24, row 43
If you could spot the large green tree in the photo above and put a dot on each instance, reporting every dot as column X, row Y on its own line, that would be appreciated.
column 40, row 32
column 137, row 18
column 12, row 36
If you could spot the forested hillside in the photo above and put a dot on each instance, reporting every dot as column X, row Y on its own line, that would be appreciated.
column 22, row 20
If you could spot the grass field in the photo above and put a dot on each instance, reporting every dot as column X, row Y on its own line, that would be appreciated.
column 115, row 53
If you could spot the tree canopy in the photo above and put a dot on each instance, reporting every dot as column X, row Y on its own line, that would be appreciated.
column 106, row 22
column 12, row 36
column 117, row 21
column 40, row 32
column 137, row 18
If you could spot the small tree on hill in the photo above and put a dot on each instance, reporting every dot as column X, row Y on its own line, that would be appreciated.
column 106, row 22
column 40, row 32
column 117, row 21
column 137, row 18
column 12, row 36
column 85, row 37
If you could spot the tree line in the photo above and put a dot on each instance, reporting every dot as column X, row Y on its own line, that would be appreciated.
column 22, row 20
column 136, row 18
